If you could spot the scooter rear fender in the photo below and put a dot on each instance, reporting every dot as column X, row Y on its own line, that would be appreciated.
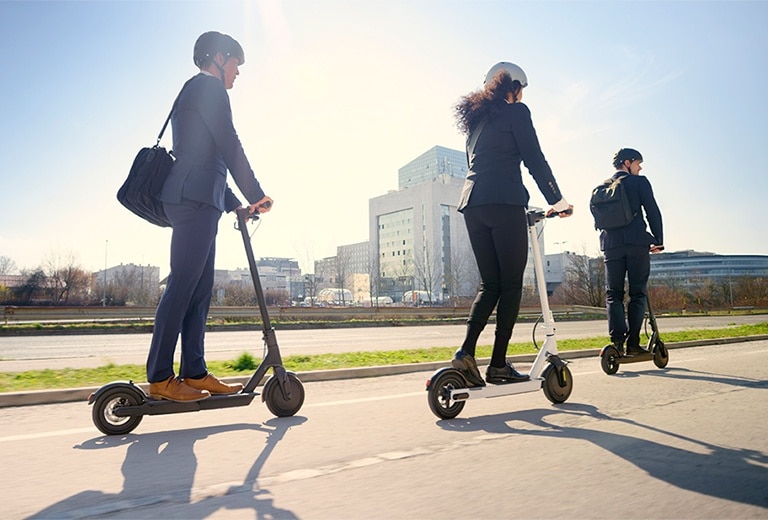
column 443, row 370
column 128, row 386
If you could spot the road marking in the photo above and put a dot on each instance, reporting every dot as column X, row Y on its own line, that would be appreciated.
column 44, row 435
column 366, row 399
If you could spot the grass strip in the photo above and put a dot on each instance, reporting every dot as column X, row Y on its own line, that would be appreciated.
column 50, row 379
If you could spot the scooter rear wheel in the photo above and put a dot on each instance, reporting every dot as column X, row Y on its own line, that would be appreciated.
column 104, row 407
column 609, row 361
column 558, row 384
column 276, row 401
column 439, row 394
column 660, row 355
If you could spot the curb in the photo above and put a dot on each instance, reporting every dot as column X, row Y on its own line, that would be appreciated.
column 68, row 395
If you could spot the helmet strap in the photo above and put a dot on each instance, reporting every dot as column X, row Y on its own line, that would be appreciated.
column 220, row 67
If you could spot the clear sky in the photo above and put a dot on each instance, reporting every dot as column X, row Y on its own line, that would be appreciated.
column 336, row 95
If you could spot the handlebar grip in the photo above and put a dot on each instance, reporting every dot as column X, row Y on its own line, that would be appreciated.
column 568, row 211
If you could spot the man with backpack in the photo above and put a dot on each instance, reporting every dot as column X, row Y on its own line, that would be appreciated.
column 626, row 249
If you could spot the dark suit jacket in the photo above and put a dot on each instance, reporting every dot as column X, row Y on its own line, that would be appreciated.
column 206, row 145
column 640, row 195
column 494, row 175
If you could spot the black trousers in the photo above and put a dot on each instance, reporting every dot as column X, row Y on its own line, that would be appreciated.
column 634, row 264
column 183, row 308
column 498, row 234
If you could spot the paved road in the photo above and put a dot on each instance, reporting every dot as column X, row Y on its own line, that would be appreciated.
column 685, row 442
column 40, row 352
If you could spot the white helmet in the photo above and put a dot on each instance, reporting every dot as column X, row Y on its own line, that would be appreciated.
column 515, row 72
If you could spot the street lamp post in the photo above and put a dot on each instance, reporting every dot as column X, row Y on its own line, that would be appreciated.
column 104, row 289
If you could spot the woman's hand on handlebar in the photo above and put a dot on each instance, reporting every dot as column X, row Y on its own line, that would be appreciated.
column 262, row 206
column 562, row 214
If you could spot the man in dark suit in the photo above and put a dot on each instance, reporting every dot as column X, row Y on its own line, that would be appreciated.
column 194, row 196
column 626, row 252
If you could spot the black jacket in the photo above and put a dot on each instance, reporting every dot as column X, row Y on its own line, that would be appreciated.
column 494, row 175
column 640, row 195
column 206, row 145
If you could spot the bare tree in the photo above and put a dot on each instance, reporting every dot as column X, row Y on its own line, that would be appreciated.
column 342, row 268
column 7, row 266
column 237, row 295
column 463, row 278
column 310, row 280
column 403, row 273
column 426, row 271
column 68, row 282
column 751, row 291
column 133, row 285
column 277, row 297
column 34, row 287
column 584, row 282
column 666, row 296
column 374, row 278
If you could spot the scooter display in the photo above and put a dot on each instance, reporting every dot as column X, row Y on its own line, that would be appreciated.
column 611, row 357
column 119, row 407
column 448, row 390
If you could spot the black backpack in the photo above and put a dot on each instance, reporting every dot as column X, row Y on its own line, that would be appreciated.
column 610, row 206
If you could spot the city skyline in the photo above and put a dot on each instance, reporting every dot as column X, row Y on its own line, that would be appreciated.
column 334, row 97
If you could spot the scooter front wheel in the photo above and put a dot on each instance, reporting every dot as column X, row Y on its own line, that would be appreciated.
column 558, row 383
column 660, row 355
column 104, row 416
column 439, row 394
column 609, row 360
column 276, row 400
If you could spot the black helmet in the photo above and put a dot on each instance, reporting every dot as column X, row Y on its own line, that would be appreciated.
column 626, row 154
column 211, row 43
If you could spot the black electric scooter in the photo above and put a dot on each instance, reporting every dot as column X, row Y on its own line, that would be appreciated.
column 119, row 407
column 611, row 358
column 448, row 390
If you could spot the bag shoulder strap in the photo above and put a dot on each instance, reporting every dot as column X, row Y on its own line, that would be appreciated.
column 175, row 102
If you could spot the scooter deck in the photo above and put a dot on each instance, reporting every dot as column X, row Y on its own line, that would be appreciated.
column 634, row 358
column 162, row 406
column 491, row 390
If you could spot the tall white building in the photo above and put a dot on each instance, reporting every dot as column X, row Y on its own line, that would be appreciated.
column 418, row 239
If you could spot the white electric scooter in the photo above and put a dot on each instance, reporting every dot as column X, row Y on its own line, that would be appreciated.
column 448, row 390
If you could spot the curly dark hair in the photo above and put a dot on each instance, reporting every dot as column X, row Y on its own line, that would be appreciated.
column 490, row 99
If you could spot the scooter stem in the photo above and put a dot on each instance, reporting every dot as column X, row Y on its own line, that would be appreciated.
column 541, row 283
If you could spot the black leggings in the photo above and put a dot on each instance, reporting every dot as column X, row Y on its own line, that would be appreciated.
column 499, row 237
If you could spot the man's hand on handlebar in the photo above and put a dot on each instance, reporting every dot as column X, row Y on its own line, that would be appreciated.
column 262, row 206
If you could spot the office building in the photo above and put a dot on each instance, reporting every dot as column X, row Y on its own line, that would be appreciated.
column 687, row 268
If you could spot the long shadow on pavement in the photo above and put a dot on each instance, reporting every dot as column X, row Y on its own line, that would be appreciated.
column 729, row 473
column 171, row 454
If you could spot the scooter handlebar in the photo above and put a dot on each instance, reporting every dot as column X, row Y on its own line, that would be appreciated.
column 535, row 215
column 568, row 211
column 255, row 215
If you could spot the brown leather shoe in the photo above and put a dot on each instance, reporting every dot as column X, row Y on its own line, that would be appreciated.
column 174, row 389
column 215, row 386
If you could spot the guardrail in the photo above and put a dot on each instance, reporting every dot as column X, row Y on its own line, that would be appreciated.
column 19, row 314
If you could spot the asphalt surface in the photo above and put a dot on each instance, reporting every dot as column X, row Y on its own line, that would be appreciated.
column 685, row 442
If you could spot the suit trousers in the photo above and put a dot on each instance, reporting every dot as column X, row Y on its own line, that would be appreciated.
column 183, row 308
column 634, row 263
